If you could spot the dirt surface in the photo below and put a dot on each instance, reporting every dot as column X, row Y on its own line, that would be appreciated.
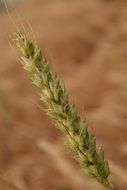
column 86, row 43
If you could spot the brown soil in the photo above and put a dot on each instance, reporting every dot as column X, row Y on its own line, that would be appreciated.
column 86, row 43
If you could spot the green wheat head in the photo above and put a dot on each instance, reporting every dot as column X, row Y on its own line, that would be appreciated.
column 65, row 116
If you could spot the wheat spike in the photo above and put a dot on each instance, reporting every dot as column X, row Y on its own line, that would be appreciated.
column 65, row 116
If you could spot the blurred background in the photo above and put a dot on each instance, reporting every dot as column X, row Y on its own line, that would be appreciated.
column 85, row 42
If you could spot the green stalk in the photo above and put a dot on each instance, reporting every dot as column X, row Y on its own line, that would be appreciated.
column 65, row 116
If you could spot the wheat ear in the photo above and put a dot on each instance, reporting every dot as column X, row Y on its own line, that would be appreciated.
column 65, row 116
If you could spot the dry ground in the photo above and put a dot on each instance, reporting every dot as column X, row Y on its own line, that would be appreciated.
column 86, row 42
